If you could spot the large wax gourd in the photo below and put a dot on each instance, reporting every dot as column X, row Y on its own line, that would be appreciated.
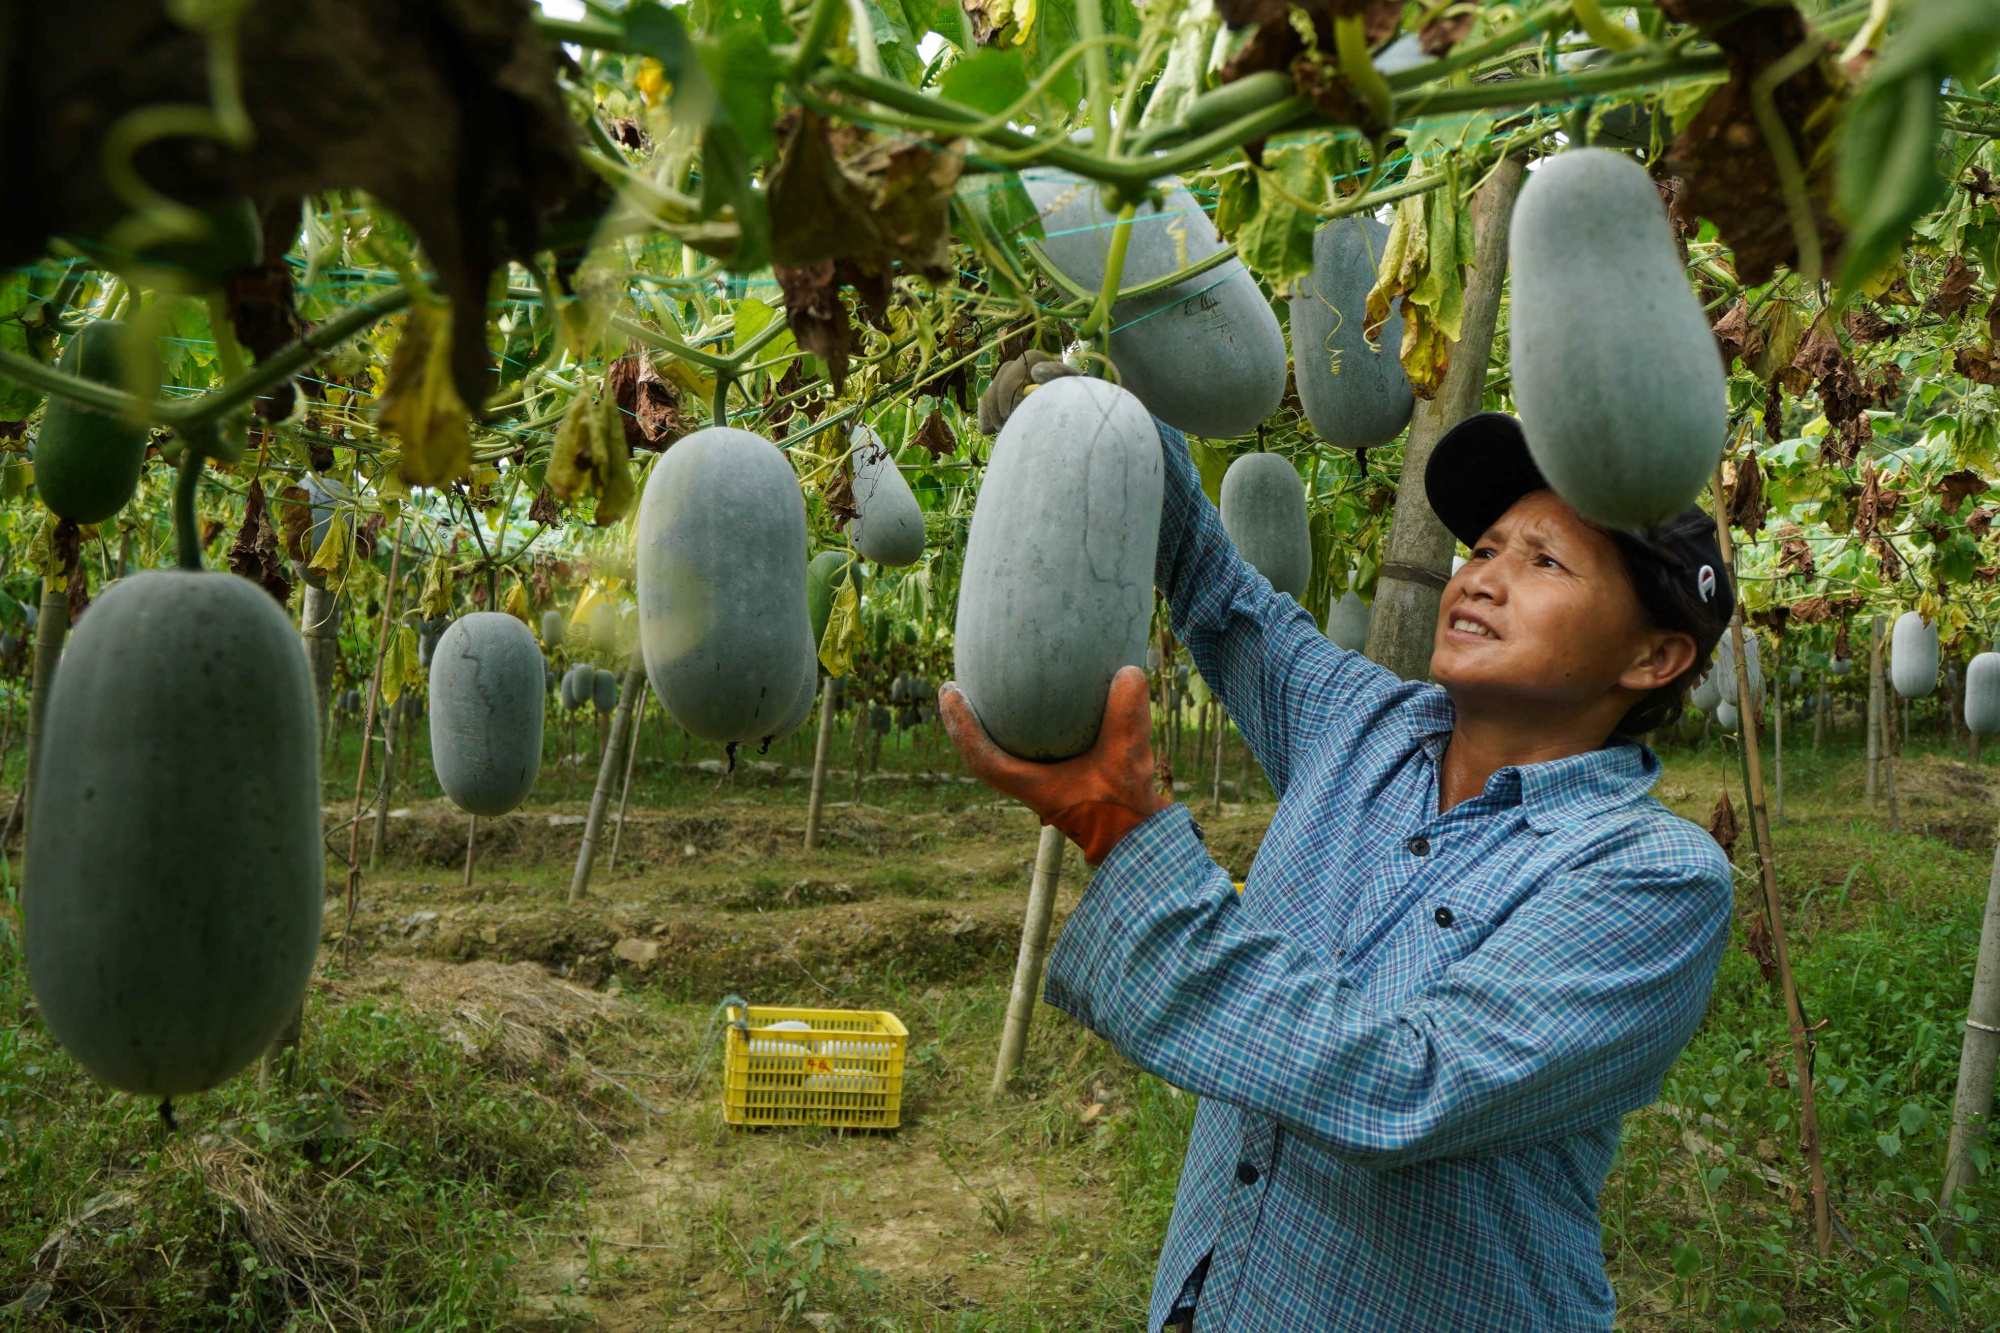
column 1913, row 656
column 87, row 463
column 173, row 900
column 1057, row 589
column 1620, row 390
column 1347, row 621
column 1982, row 694
column 722, row 584
column 1264, row 512
column 486, row 712
column 1206, row 355
column 888, row 524
column 1355, row 394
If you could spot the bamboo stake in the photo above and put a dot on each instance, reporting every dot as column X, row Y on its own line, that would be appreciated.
column 471, row 842
column 393, row 739
column 1778, row 726
column 1034, row 953
column 631, row 761
column 607, row 766
column 1889, row 760
column 821, row 745
column 1221, row 735
column 1802, row 1043
column 368, row 736
column 1973, row 1102
column 1874, row 725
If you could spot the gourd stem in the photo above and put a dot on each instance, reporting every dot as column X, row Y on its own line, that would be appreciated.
column 187, row 537
column 1114, row 271
column 719, row 410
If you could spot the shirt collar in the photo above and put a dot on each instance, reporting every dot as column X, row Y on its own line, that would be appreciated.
column 1553, row 794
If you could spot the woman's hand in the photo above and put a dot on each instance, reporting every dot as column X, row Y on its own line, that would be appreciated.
column 1097, row 797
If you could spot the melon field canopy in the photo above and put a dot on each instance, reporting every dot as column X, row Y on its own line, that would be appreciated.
column 661, row 331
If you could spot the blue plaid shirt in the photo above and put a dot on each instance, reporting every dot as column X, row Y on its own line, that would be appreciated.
column 1414, row 1034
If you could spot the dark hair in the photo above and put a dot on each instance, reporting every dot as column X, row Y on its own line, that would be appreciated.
column 1665, row 569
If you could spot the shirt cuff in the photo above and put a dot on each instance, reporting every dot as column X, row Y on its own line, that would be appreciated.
column 1159, row 866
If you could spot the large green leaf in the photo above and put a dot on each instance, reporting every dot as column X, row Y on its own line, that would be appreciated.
column 991, row 79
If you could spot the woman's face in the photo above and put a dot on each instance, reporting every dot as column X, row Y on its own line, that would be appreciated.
column 1543, row 616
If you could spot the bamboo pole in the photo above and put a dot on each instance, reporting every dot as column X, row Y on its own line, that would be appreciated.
column 1889, row 759
column 1802, row 1043
column 1221, row 734
column 821, row 745
column 1778, row 727
column 607, row 770
column 471, row 844
column 393, row 739
column 368, row 734
column 1973, row 1103
column 631, row 761
column 1874, row 725
column 1028, row 963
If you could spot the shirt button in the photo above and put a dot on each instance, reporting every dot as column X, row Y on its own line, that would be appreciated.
column 1442, row 916
column 1246, row 1173
column 1419, row 846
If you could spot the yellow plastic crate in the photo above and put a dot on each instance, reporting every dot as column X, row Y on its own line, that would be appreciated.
column 844, row 1069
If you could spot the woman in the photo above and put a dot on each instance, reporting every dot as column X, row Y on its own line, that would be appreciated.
column 1470, row 942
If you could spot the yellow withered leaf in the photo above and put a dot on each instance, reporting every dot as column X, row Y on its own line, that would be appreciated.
column 420, row 402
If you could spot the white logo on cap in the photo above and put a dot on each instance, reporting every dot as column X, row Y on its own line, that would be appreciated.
column 1704, row 583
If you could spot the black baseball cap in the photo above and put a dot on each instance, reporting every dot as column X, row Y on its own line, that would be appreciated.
column 1482, row 466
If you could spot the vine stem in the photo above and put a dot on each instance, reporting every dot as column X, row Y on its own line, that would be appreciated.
column 1784, row 154
column 1114, row 272
column 187, row 537
column 1096, row 73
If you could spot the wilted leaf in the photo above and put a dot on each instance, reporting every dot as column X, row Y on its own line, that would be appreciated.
column 841, row 193
column 516, row 604
column 420, row 402
column 1746, row 497
column 1955, row 487
column 295, row 522
column 1757, row 943
column 1430, row 244
column 331, row 557
column 399, row 662
column 1794, row 555
column 934, row 436
column 1955, row 289
column 254, row 555
column 589, row 457
column 435, row 600
column 1727, row 172
column 1735, row 337
column 545, row 508
column 843, row 630
column 649, row 408
column 1867, row 327
column 1722, row 824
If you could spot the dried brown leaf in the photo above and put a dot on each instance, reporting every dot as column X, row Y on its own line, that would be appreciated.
column 1757, row 943
column 1722, row 824
column 1746, row 497
column 1955, row 289
column 935, row 437
column 1955, row 487
column 255, row 554
column 1727, row 172
column 648, row 405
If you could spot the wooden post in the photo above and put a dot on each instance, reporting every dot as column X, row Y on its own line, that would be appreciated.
column 1973, row 1103
column 607, row 771
column 319, row 626
column 1874, row 708
column 631, row 761
column 1416, row 555
column 471, row 843
column 1027, row 989
column 816, row 804
column 1802, row 1043
column 394, row 727
column 1824, row 707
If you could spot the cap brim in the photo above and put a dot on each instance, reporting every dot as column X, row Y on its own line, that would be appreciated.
column 1477, row 472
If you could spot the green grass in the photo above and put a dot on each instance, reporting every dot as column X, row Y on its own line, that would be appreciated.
column 399, row 1181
